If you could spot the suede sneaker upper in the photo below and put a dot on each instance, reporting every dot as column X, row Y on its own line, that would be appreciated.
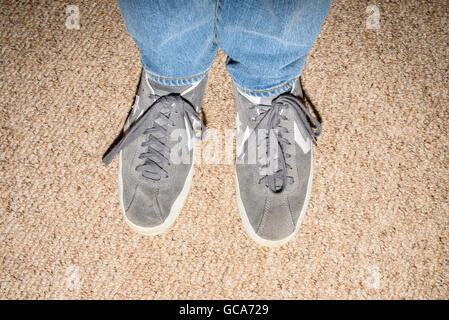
column 274, row 163
column 156, row 153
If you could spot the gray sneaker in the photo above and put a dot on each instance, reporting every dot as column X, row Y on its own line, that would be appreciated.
column 274, row 165
column 156, row 154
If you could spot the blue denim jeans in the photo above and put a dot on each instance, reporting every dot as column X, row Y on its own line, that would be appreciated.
column 266, row 41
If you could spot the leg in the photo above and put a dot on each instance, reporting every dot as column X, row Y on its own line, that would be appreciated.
column 267, row 41
column 156, row 150
column 175, row 38
column 275, row 134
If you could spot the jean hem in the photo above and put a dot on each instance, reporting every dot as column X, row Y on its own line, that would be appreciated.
column 271, row 91
column 176, row 81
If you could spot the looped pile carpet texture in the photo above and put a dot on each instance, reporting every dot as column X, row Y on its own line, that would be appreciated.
column 377, row 223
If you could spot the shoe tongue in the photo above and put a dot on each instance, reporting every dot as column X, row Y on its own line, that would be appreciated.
column 258, row 100
column 296, row 90
column 162, row 89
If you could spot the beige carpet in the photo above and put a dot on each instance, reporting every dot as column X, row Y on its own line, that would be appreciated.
column 378, row 219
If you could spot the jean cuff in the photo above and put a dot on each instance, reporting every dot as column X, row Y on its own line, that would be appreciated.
column 271, row 92
column 176, row 81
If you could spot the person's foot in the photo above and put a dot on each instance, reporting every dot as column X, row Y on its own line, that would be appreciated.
column 156, row 154
column 274, row 163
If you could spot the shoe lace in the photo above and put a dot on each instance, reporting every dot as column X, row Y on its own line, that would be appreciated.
column 153, row 123
column 269, row 118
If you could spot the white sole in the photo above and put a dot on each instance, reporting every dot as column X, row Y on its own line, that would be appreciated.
column 250, row 230
column 174, row 212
